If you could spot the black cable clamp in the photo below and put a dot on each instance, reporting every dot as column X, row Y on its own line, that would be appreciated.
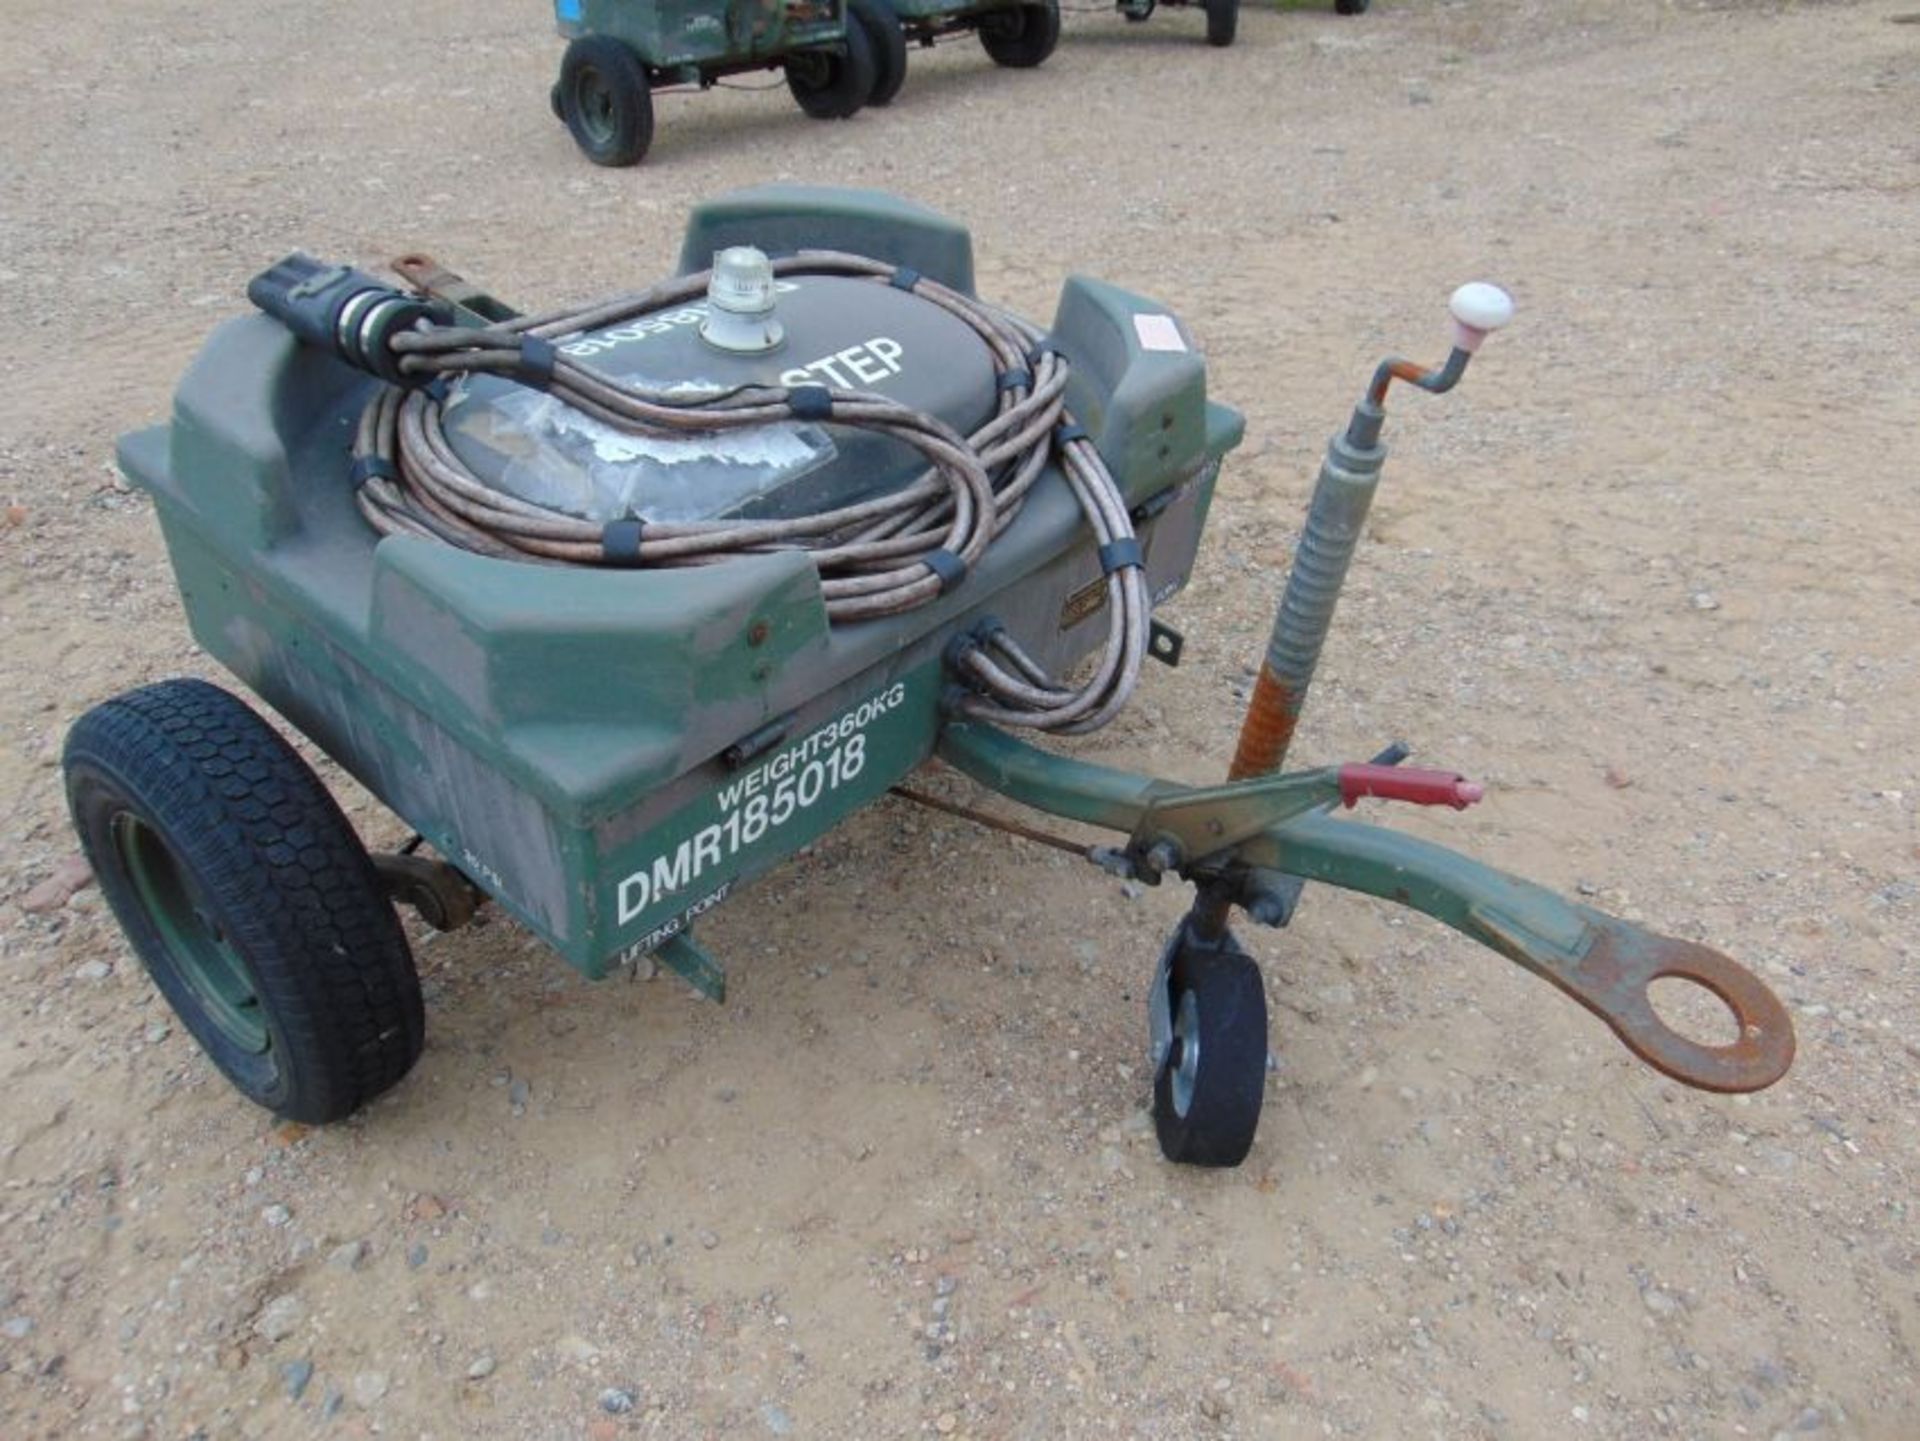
column 904, row 278
column 535, row 362
column 964, row 642
column 1068, row 430
column 1046, row 345
column 371, row 467
column 620, row 541
column 1016, row 380
column 949, row 567
column 810, row 402
column 1121, row 553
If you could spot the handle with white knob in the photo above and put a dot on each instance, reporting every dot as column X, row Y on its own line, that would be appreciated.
column 1335, row 521
column 1478, row 309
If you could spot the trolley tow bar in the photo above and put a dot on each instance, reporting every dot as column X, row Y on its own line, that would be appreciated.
column 1254, row 841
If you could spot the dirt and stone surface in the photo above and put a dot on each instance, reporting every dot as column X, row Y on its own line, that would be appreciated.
column 1653, row 574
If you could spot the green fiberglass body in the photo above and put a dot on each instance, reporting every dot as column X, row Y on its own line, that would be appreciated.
column 558, row 590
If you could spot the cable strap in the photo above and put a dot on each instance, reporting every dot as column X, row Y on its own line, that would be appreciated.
column 949, row 567
column 371, row 467
column 620, row 541
column 537, row 359
column 810, row 402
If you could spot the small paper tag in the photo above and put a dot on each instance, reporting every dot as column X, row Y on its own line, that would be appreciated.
column 1158, row 332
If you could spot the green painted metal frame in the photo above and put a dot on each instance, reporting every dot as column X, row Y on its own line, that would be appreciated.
column 1605, row 963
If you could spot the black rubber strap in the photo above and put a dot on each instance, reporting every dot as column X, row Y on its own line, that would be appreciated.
column 1046, row 345
column 536, row 362
column 620, row 541
column 1119, row 554
column 905, row 278
column 948, row 566
column 1068, row 430
column 1016, row 380
column 439, row 388
column 369, row 467
column 810, row 402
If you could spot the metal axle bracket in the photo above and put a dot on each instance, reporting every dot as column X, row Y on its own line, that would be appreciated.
column 445, row 899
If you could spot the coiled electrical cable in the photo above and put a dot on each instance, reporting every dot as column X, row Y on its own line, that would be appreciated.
column 878, row 557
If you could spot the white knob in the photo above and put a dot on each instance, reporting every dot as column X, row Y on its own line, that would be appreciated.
column 1478, row 309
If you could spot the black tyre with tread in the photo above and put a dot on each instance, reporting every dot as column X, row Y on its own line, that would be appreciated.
column 606, row 100
column 831, row 84
column 1206, row 1111
column 248, row 897
column 888, row 42
column 1022, row 36
column 1223, row 21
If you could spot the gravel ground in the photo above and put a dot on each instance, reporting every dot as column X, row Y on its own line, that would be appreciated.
column 1651, row 574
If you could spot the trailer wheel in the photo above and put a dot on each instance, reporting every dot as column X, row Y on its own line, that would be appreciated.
column 247, row 896
column 1023, row 36
column 1207, row 1094
column 830, row 84
column 1223, row 19
column 1351, row 7
column 605, row 100
column 888, row 42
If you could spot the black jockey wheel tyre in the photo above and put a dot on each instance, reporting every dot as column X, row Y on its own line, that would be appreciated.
column 1223, row 20
column 247, row 896
column 606, row 101
column 831, row 84
column 1023, row 36
column 1351, row 7
column 888, row 42
column 1207, row 1094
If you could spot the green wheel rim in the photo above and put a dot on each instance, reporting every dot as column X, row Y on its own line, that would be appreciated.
column 195, row 946
column 593, row 100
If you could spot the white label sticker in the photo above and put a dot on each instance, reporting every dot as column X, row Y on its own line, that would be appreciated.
column 1158, row 332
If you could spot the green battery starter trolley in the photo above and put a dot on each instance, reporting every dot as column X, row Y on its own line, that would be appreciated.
column 620, row 606
column 620, row 51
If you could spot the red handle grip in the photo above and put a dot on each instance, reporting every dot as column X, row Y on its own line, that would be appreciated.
column 1416, row 787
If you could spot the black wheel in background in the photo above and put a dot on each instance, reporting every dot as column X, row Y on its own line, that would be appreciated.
column 1351, row 7
column 605, row 100
column 1022, row 36
column 247, row 897
column 888, row 42
column 1223, row 20
column 833, row 84
column 1207, row 1095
